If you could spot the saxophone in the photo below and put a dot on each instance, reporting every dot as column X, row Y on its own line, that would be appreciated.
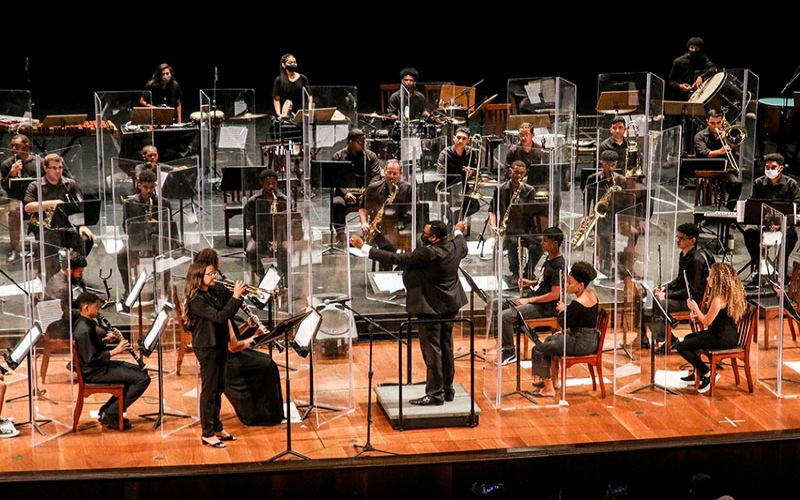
column 47, row 222
column 598, row 210
column 501, row 229
column 118, row 334
column 375, row 225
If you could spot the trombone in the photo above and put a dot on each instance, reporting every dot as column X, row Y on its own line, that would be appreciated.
column 262, row 294
column 731, row 136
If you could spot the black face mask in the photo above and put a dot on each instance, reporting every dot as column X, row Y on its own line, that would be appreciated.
column 424, row 241
column 291, row 67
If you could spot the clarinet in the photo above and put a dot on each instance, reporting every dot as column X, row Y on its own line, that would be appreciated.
column 264, row 330
column 118, row 334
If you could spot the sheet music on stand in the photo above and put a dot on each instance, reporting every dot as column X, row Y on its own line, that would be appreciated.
column 387, row 281
column 232, row 137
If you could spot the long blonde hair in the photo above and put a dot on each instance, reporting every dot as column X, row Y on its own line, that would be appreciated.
column 194, row 280
column 725, row 283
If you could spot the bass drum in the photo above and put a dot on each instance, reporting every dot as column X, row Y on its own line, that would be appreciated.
column 769, row 117
column 721, row 90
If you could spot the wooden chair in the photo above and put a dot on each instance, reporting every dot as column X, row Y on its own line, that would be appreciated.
column 387, row 89
column 86, row 389
column 594, row 360
column 185, row 340
column 495, row 117
column 770, row 307
column 533, row 323
column 51, row 345
column 747, row 326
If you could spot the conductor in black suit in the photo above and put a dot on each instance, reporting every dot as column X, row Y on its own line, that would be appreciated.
column 433, row 291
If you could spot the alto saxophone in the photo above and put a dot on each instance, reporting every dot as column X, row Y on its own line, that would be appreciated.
column 633, row 163
column 501, row 229
column 118, row 334
column 598, row 210
column 375, row 224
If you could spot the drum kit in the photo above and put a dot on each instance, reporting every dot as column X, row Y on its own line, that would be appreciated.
column 216, row 117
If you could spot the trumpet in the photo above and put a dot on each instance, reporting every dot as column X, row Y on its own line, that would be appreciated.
column 731, row 136
column 262, row 294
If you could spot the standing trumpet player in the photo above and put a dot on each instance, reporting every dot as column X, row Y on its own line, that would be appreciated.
column 385, row 209
column 97, row 365
column 711, row 142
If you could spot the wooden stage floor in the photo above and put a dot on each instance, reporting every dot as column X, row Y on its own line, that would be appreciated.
column 335, row 434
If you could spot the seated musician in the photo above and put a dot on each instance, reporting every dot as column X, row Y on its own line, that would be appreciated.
column 415, row 101
column 385, row 209
column 773, row 185
column 265, row 219
column 61, row 196
column 141, row 215
column 525, row 150
column 458, row 162
column 366, row 169
column 710, row 143
column 539, row 295
column 65, row 286
column 595, row 201
column 617, row 141
column 513, row 216
column 21, row 165
column 694, row 264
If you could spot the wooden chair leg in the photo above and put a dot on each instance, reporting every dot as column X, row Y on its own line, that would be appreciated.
column 76, row 413
column 45, row 362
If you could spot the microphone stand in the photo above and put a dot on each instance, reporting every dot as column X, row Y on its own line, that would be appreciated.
column 213, row 126
column 367, row 446
column 784, row 112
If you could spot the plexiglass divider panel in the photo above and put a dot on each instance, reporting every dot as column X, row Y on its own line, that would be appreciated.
column 325, row 390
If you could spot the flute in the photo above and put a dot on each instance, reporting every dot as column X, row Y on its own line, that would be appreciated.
column 692, row 317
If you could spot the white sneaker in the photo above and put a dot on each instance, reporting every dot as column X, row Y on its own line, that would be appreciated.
column 7, row 429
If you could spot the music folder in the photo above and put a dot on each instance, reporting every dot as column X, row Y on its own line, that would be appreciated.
column 152, row 116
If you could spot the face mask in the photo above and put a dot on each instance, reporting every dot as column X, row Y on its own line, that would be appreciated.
column 291, row 67
column 166, row 78
column 424, row 241
column 772, row 173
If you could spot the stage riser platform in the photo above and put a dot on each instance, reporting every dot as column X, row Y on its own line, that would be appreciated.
column 456, row 413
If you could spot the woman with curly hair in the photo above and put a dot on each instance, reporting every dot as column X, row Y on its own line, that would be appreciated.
column 726, row 307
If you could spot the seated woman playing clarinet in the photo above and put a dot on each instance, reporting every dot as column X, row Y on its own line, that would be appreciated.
column 579, row 320
column 727, row 306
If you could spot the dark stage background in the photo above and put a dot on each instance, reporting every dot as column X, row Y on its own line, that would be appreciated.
column 364, row 51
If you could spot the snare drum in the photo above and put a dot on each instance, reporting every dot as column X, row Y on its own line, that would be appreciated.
column 770, row 116
column 721, row 90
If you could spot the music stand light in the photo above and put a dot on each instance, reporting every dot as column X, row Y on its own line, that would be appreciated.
column 14, row 357
column 137, row 289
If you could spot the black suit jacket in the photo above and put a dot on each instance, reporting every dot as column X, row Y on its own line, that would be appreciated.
column 430, row 276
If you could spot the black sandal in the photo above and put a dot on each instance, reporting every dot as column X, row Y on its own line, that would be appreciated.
column 218, row 444
column 226, row 437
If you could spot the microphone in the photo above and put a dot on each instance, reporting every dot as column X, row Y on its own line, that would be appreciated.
column 216, row 75
column 338, row 301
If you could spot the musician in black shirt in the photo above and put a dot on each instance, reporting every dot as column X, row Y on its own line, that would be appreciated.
column 366, row 170
column 21, row 165
column 415, row 102
column 690, row 69
column 773, row 185
column 672, row 296
column 708, row 143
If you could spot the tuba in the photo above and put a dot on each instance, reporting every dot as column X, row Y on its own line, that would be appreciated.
column 600, row 209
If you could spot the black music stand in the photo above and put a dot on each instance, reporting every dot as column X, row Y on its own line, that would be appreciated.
column 617, row 102
column 685, row 109
column 14, row 357
column 63, row 120
column 283, row 329
column 180, row 184
column 481, row 295
column 652, row 383
column 150, row 342
column 751, row 215
column 333, row 174
column 518, row 334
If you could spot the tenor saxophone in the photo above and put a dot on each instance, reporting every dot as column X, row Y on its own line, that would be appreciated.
column 375, row 224
column 501, row 229
column 598, row 210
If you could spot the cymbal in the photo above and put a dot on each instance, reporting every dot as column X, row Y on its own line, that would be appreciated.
column 452, row 108
column 248, row 116
column 373, row 115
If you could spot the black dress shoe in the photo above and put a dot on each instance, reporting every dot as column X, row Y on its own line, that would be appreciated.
column 449, row 395
column 427, row 401
column 111, row 421
column 645, row 344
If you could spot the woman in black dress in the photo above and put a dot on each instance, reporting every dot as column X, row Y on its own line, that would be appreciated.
column 580, row 336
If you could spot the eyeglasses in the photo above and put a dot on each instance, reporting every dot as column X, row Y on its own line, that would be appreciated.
column 211, row 273
column 682, row 238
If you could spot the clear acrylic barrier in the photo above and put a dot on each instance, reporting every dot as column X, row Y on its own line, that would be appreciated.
column 776, row 362
column 325, row 390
